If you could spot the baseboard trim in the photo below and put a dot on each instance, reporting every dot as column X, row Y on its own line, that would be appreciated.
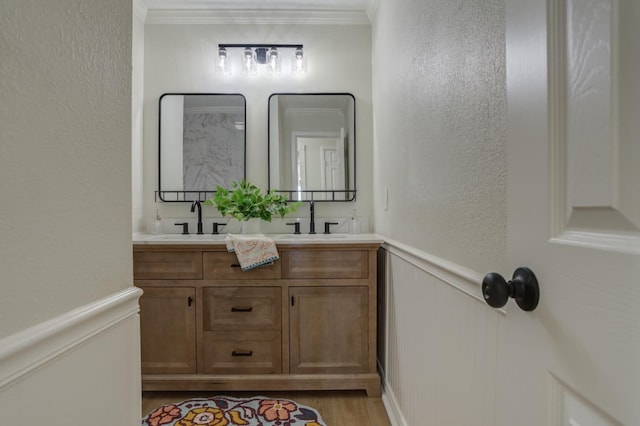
column 391, row 405
column 465, row 280
column 29, row 350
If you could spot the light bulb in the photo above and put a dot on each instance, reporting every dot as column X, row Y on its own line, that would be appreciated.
column 223, row 66
column 249, row 62
column 274, row 63
column 299, row 61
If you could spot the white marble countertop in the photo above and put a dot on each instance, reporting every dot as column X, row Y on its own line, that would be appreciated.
column 282, row 239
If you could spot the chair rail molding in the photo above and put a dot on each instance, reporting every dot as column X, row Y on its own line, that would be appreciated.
column 28, row 350
column 465, row 280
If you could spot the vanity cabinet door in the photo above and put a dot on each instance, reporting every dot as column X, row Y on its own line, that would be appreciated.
column 329, row 330
column 168, row 330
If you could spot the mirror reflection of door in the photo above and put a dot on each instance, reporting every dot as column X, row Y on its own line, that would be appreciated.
column 312, row 145
column 319, row 163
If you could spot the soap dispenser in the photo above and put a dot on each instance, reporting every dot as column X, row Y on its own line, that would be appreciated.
column 354, row 225
column 156, row 227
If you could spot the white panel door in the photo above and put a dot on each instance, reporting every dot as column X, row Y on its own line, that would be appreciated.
column 573, row 72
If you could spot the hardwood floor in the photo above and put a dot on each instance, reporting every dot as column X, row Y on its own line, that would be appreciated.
column 337, row 408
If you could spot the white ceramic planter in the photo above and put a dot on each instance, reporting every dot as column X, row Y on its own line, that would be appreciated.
column 251, row 226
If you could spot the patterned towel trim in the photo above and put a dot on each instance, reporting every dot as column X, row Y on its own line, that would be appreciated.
column 231, row 241
column 266, row 262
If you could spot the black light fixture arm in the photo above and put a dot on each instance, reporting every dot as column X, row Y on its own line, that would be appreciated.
column 245, row 45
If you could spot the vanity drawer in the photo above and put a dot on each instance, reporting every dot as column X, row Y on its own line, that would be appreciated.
column 325, row 264
column 167, row 265
column 225, row 266
column 241, row 308
column 242, row 352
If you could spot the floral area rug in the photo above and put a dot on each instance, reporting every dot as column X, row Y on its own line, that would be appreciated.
column 229, row 411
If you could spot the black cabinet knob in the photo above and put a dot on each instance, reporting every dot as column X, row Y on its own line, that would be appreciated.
column 523, row 287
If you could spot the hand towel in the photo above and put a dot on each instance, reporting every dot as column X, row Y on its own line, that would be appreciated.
column 253, row 251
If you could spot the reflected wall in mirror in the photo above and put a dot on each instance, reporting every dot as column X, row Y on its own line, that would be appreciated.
column 312, row 145
column 202, row 144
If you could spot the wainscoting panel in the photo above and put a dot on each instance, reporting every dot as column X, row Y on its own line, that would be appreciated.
column 80, row 368
column 440, row 364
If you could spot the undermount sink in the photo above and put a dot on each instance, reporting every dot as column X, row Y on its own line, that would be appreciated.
column 309, row 236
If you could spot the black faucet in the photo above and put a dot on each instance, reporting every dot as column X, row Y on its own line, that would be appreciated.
column 185, row 227
column 327, row 226
column 193, row 208
column 216, row 227
column 312, row 223
column 296, row 226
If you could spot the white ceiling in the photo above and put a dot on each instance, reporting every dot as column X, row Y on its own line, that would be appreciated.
column 321, row 5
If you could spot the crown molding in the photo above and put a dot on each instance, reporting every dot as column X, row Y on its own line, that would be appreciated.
column 140, row 9
column 372, row 9
column 254, row 17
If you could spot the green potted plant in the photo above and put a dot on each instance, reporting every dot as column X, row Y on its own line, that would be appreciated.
column 245, row 201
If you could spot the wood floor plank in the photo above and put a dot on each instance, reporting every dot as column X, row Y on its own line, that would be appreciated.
column 377, row 412
column 324, row 406
column 350, row 409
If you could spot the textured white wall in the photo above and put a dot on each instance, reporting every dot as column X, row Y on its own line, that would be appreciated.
column 440, row 110
column 180, row 58
column 137, row 108
column 439, row 147
column 65, row 156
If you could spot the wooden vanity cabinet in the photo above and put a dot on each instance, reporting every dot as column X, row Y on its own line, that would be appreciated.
column 329, row 324
column 307, row 322
column 329, row 330
column 168, row 330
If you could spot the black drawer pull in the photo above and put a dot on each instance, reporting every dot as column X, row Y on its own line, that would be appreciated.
column 242, row 309
column 241, row 353
column 235, row 265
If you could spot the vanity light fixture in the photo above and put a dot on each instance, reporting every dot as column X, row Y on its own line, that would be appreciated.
column 257, row 57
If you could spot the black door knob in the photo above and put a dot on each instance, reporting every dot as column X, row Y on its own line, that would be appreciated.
column 523, row 287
